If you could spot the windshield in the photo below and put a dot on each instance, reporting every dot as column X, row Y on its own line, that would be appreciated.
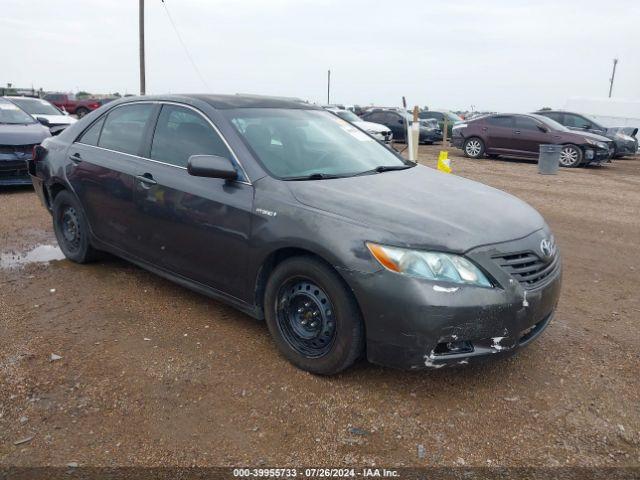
column 11, row 114
column 551, row 123
column 36, row 106
column 347, row 115
column 297, row 143
column 453, row 117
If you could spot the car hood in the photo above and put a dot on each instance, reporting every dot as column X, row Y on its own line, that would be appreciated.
column 592, row 136
column 421, row 207
column 58, row 119
column 373, row 127
column 22, row 134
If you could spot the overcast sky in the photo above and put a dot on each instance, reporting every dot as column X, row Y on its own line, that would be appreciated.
column 497, row 55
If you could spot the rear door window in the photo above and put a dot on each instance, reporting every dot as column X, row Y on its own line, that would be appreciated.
column 124, row 127
column 180, row 133
column 503, row 121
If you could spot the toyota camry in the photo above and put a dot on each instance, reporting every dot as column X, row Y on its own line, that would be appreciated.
column 295, row 216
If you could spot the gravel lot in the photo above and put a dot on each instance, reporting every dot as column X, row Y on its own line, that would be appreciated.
column 153, row 374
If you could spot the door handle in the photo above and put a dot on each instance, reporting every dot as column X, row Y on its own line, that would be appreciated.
column 75, row 158
column 517, row 132
column 484, row 129
column 146, row 179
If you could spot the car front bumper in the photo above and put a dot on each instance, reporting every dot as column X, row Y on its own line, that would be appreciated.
column 412, row 323
column 597, row 156
column 384, row 137
column 13, row 170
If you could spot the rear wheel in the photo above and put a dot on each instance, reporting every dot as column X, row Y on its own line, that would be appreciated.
column 312, row 316
column 570, row 156
column 71, row 229
column 473, row 147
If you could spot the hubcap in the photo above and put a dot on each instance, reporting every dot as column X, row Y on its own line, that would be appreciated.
column 306, row 318
column 70, row 228
column 568, row 156
column 473, row 148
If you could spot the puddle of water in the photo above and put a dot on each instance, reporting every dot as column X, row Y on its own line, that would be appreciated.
column 40, row 254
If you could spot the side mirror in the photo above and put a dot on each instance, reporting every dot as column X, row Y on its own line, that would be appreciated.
column 542, row 128
column 43, row 121
column 587, row 126
column 211, row 166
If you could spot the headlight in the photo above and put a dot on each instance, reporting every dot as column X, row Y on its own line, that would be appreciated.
column 459, row 125
column 626, row 138
column 445, row 267
column 373, row 132
column 602, row 145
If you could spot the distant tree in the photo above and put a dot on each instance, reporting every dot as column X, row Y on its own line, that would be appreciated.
column 82, row 94
column 544, row 109
column 116, row 94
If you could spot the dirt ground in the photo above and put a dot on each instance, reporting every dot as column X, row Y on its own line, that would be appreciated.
column 153, row 374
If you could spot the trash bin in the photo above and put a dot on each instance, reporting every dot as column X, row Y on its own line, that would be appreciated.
column 549, row 159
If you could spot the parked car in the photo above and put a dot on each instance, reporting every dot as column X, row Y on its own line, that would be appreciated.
column 396, row 120
column 345, row 248
column 439, row 116
column 19, row 134
column 624, row 138
column 44, row 112
column 522, row 135
column 69, row 103
column 376, row 130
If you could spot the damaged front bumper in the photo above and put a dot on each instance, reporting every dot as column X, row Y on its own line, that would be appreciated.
column 412, row 323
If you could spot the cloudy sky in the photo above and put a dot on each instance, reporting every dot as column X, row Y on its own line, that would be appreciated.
column 505, row 55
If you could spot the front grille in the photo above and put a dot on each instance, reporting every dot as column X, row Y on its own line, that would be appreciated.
column 19, row 149
column 527, row 267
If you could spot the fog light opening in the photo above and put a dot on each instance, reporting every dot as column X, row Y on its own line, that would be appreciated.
column 453, row 348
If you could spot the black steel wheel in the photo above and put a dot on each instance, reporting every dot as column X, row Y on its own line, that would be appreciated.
column 313, row 316
column 71, row 228
column 306, row 318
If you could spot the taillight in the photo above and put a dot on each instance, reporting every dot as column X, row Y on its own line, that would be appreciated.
column 38, row 153
column 94, row 105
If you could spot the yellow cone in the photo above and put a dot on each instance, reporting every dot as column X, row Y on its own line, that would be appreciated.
column 444, row 164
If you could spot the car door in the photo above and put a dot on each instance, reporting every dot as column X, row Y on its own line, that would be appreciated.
column 498, row 131
column 102, row 170
column 195, row 227
column 529, row 135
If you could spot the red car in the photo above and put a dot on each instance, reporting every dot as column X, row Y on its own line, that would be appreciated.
column 69, row 102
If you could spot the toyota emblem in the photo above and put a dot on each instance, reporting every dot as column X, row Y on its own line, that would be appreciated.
column 547, row 247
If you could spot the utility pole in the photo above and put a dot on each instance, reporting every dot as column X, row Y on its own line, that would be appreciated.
column 141, row 31
column 328, row 87
column 613, row 76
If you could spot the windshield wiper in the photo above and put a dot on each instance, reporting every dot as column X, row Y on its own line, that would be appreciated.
column 385, row 168
column 315, row 176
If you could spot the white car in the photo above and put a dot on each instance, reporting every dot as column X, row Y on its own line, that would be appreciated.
column 376, row 130
column 44, row 112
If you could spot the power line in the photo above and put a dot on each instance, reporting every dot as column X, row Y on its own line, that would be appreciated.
column 184, row 46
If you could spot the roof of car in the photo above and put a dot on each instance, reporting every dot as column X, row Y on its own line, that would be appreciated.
column 235, row 101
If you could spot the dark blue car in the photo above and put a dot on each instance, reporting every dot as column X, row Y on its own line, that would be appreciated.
column 19, row 134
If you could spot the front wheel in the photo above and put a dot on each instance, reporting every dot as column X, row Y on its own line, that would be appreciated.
column 81, row 112
column 473, row 147
column 313, row 317
column 570, row 156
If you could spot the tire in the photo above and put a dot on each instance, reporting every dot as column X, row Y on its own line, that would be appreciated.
column 570, row 156
column 81, row 112
column 313, row 317
column 473, row 147
column 71, row 229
